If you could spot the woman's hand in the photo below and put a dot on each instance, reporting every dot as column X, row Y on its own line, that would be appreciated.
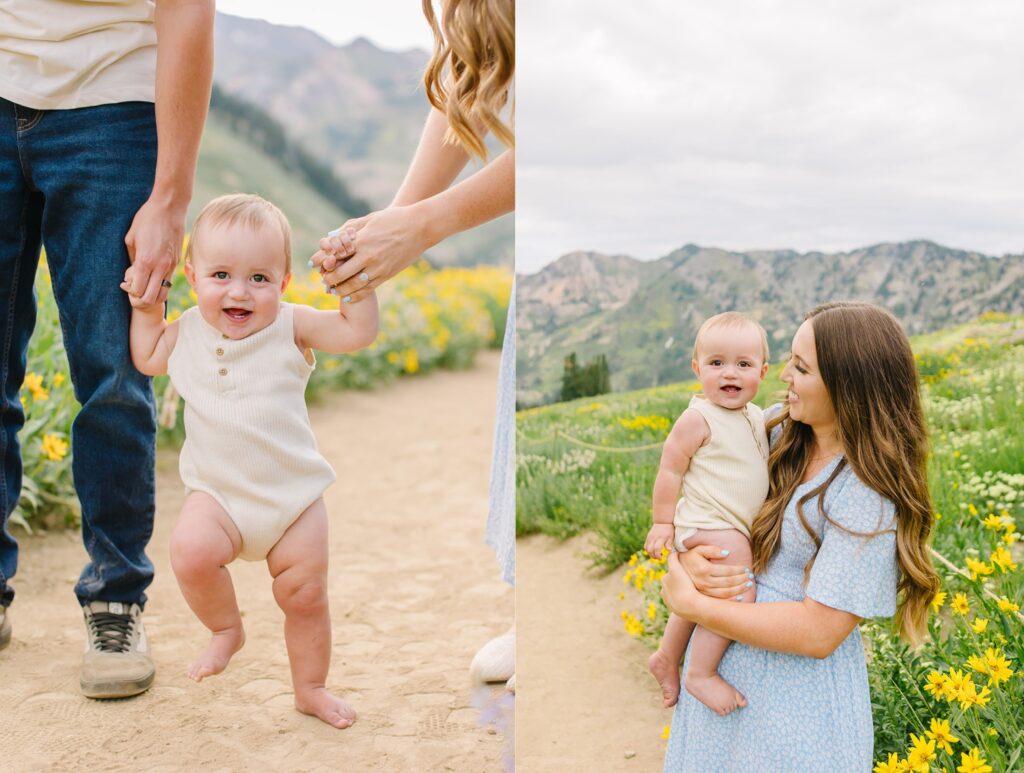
column 678, row 590
column 385, row 242
column 703, row 566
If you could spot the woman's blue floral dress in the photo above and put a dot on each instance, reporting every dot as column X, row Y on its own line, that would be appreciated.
column 803, row 714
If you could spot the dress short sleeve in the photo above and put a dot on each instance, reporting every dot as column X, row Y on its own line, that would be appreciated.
column 855, row 573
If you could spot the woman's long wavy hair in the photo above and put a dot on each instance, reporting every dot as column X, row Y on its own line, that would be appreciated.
column 470, row 73
column 868, row 369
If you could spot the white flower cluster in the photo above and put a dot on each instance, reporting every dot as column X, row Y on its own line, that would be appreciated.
column 997, row 489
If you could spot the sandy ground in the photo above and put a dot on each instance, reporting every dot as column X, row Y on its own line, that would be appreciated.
column 414, row 591
column 585, row 700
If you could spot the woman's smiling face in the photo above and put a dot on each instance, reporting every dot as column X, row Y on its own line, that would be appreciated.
column 809, row 401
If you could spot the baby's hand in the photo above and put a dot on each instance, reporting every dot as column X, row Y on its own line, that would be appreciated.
column 658, row 539
column 135, row 300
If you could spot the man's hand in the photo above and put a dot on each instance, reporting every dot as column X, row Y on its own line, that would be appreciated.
column 154, row 247
column 659, row 538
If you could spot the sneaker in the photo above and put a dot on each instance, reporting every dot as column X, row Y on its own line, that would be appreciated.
column 117, row 663
column 496, row 660
column 5, row 628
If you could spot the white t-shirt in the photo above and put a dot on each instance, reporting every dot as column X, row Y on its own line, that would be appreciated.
column 60, row 54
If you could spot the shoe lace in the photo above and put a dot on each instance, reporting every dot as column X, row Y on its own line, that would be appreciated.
column 111, row 632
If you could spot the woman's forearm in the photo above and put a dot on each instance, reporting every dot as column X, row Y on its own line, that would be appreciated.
column 796, row 627
column 435, row 165
column 487, row 194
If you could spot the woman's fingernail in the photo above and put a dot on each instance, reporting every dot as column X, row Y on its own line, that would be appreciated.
column 347, row 299
column 739, row 598
column 725, row 552
column 335, row 232
column 750, row 584
column 746, row 569
column 310, row 264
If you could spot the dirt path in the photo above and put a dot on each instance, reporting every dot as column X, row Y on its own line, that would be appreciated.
column 414, row 591
column 585, row 701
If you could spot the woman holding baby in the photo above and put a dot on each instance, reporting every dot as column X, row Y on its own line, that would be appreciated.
column 842, row 536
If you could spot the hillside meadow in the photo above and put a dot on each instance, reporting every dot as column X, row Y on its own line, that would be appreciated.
column 429, row 319
column 952, row 704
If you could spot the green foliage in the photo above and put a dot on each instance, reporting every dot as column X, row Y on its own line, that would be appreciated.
column 585, row 380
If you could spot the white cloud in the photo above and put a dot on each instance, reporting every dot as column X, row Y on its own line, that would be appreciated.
column 759, row 123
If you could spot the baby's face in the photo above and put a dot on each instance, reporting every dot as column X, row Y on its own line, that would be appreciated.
column 239, row 276
column 730, row 365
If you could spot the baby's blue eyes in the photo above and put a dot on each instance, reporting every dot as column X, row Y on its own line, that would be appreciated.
column 259, row 278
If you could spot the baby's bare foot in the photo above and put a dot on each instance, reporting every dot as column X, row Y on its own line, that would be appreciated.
column 667, row 674
column 317, row 702
column 215, row 657
column 715, row 693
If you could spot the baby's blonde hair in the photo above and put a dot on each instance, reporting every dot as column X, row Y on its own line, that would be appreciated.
column 733, row 319
column 246, row 209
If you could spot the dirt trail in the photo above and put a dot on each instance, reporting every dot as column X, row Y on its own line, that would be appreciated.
column 414, row 591
column 584, row 698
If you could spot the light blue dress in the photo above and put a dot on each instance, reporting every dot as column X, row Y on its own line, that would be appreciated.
column 501, row 516
column 804, row 714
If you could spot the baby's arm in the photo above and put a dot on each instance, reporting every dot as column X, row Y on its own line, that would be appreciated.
column 353, row 326
column 151, row 339
column 690, row 432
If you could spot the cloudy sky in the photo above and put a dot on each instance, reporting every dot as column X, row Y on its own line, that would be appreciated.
column 391, row 24
column 810, row 124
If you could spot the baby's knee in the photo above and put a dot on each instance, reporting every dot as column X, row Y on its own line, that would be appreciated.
column 302, row 596
column 191, row 557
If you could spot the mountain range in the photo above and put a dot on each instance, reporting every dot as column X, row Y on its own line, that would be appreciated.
column 643, row 315
column 357, row 109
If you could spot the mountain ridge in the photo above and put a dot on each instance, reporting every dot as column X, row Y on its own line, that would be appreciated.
column 643, row 314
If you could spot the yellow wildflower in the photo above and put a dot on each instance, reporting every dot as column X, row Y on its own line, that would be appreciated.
column 1001, row 557
column 921, row 753
column 954, row 684
column 936, row 685
column 939, row 732
column 979, row 625
column 993, row 732
column 973, row 762
column 665, row 732
column 1010, row 537
column 938, row 600
column 993, row 522
column 58, row 379
column 959, row 604
column 34, row 384
column 652, row 611
column 622, row 595
column 893, row 765
column 1008, row 606
column 998, row 666
column 978, row 568
column 411, row 363
column 970, row 508
column 54, row 448
column 970, row 696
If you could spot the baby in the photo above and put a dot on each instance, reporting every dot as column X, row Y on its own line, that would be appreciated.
column 254, row 479
column 717, row 452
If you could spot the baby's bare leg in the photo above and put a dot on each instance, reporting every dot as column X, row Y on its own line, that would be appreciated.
column 664, row 663
column 204, row 540
column 702, row 679
column 298, row 564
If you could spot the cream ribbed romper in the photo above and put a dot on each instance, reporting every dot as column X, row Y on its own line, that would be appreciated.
column 248, row 442
column 727, row 480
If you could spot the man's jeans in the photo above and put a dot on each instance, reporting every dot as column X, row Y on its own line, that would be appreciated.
column 72, row 180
